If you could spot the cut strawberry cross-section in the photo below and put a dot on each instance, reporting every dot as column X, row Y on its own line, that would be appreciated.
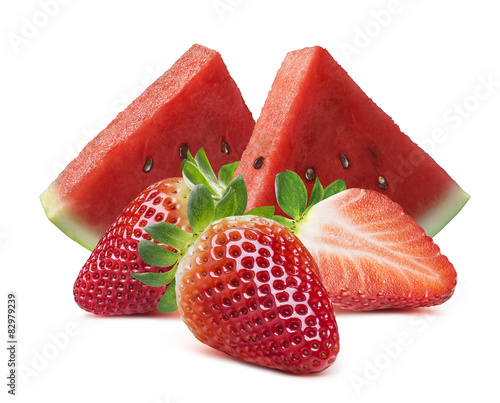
column 372, row 255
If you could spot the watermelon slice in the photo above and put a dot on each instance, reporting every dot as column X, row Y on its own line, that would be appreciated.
column 317, row 122
column 194, row 104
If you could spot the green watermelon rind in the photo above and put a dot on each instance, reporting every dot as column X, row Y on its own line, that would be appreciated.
column 443, row 212
column 62, row 218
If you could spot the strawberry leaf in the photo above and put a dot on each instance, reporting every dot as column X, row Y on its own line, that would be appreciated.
column 198, row 171
column 334, row 188
column 291, row 194
column 226, row 206
column 169, row 234
column 263, row 211
column 200, row 208
column 226, row 173
column 316, row 195
column 193, row 176
column 206, row 169
column 168, row 303
column 283, row 221
column 190, row 157
column 203, row 164
column 156, row 279
column 240, row 191
column 156, row 255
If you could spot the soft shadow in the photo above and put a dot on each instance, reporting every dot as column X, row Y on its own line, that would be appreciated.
column 138, row 316
column 425, row 310
column 201, row 348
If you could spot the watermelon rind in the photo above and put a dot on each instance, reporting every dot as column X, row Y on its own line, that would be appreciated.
column 64, row 220
column 443, row 212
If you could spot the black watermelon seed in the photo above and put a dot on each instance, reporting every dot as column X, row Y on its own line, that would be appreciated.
column 344, row 161
column 310, row 174
column 183, row 151
column 382, row 183
column 148, row 165
column 257, row 164
column 224, row 147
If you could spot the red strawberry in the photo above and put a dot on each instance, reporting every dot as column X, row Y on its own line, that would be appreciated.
column 373, row 256
column 245, row 285
column 104, row 285
column 249, row 287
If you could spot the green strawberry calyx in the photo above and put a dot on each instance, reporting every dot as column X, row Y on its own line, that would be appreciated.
column 291, row 194
column 213, row 198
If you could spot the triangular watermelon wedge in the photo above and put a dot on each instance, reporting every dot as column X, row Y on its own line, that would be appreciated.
column 317, row 122
column 194, row 104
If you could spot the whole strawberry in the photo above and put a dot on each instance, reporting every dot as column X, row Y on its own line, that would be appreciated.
column 249, row 287
column 104, row 285
column 245, row 285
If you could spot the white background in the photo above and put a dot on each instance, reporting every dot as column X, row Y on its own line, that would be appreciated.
column 422, row 61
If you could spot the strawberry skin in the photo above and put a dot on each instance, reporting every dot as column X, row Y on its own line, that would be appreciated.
column 373, row 256
column 248, row 287
column 104, row 285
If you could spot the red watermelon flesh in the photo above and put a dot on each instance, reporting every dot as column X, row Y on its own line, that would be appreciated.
column 316, row 121
column 194, row 104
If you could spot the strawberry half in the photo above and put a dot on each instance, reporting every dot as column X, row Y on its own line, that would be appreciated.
column 248, row 287
column 104, row 285
column 373, row 256
column 370, row 254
